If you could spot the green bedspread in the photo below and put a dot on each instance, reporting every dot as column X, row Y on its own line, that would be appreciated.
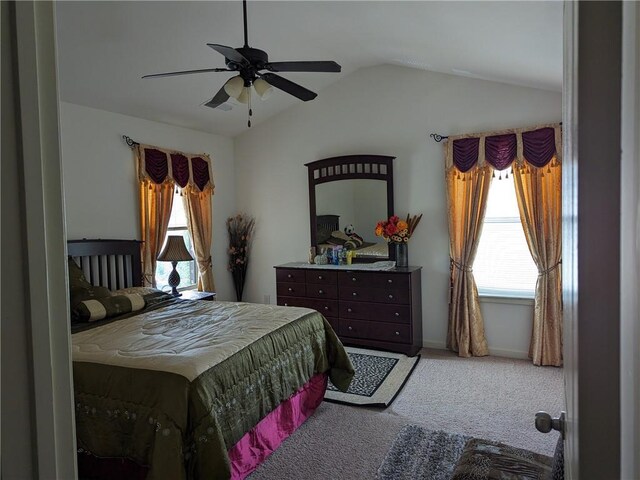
column 177, row 387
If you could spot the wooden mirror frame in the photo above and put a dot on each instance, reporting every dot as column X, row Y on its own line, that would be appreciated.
column 348, row 167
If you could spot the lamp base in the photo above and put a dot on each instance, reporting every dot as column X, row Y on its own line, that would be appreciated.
column 174, row 280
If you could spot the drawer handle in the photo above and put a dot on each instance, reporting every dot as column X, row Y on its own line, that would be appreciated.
column 397, row 314
column 397, row 333
column 290, row 289
column 286, row 304
column 353, row 279
column 355, row 294
column 390, row 281
column 319, row 277
column 320, row 292
column 350, row 328
column 289, row 275
column 326, row 308
column 390, row 296
column 349, row 310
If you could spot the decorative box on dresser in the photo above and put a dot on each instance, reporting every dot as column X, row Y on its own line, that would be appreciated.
column 368, row 308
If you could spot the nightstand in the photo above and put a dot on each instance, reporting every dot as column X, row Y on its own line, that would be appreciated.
column 196, row 295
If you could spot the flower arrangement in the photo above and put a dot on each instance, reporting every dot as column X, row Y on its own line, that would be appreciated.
column 395, row 230
column 240, row 228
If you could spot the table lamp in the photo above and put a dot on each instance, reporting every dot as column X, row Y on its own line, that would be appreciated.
column 174, row 251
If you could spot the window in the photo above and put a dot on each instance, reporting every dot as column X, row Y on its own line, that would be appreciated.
column 503, row 265
column 187, row 270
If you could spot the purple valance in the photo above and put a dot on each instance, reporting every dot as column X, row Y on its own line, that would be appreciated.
column 465, row 153
column 180, row 169
column 537, row 146
column 500, row 150
column 190, row 172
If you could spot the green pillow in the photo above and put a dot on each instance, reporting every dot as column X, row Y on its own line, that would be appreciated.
column 108, row 307
column 80, row 289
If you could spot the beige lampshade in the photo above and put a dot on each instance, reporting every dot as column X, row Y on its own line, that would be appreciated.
column 175, row 250
column 263, row 88
column 244, row 95
column 234, row 86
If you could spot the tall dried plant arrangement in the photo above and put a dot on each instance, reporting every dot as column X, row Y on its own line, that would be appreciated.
column 240, row 228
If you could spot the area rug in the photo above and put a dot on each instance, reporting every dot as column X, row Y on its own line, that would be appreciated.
column 379, row 378
column 420, row 453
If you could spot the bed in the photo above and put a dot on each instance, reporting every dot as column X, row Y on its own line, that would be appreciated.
column 329, row 235
column 191, row 389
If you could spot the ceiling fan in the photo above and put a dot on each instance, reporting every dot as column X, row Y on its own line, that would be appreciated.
column 249, row 63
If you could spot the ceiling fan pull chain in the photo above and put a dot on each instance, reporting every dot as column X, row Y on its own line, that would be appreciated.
column 250, row 110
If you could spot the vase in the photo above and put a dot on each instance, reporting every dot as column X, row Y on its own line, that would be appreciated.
column 402, row 254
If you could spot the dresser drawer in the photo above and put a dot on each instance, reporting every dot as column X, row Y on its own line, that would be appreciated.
column 378, row 295
column 293, row 302
column 353, row 328
column 389, row 332
column 375, row 312
column 373, row 279
column 322, row 291
column 328, row 308
column 321, row 277
column 384, row 332
column 286, row 289
column 291, row 275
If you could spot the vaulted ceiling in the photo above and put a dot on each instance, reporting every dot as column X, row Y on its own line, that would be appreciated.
column 105, row 47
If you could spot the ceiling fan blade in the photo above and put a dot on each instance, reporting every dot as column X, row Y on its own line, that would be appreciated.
column 229, row 53
column 329, row 66
column 288, row 86
column 186, row 72
column 218, row 101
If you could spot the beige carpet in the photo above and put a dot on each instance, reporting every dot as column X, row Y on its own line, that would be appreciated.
column 489, row 397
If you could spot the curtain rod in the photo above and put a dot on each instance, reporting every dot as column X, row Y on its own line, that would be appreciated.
column 438, row 138
column 130, row 142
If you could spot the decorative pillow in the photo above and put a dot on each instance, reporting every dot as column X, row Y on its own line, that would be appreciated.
column 152, row 296
column 337, row 238
column 107, row 307
column 322, row 235
column 487, row 460
column 80, row 289
column 138, row 290
column 353, row 243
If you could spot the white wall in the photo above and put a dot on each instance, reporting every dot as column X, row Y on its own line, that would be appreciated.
column 386, row 110
column 101, row 193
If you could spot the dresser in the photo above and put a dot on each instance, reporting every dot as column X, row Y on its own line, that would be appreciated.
column 377, row 309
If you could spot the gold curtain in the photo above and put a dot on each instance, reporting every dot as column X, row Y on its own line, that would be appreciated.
column 155, row 210
column 467, row 201
column 539, row 193
column 198, row 211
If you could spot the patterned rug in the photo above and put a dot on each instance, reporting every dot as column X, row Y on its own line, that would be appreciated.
column 420, row 453
column 436, row 455
column 379, row 378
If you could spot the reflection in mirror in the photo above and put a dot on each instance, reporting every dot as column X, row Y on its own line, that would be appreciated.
column 358, row 202
column 351, row 190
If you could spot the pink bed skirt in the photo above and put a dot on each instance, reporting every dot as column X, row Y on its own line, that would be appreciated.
column 245, row 456
column 260, row 442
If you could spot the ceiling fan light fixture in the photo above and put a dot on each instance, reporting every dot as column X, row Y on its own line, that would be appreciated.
column 262, row 88
column 234, row 87
column 244, row 95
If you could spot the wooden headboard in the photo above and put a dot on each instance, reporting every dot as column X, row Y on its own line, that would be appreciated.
column 328, row 222
column 108, row 263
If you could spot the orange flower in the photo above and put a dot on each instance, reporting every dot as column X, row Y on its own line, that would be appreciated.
column 379, row 230
column 402, row 225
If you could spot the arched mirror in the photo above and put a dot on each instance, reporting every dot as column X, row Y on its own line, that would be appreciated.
column 351, row 191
